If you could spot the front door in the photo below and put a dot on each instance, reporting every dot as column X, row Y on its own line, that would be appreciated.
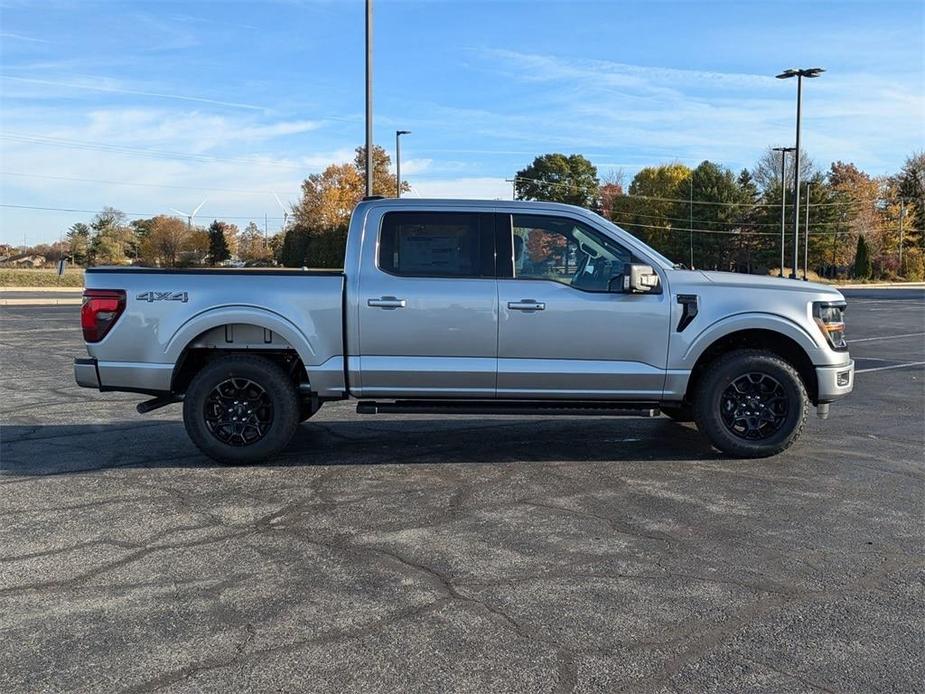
column 428, row 307
column 562, row 332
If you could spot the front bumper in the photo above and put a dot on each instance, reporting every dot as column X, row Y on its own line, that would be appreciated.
column 834, row 382
column 86, row 373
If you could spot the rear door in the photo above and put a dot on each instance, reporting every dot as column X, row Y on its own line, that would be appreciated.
column 428, row 305
column 563, row 332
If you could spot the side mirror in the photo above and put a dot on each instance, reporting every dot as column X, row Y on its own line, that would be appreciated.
column 638, row 279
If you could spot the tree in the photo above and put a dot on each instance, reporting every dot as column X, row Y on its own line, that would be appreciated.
column 78, row 239
column 855, row 194
column 170, row 242
column 383, row 178
column 611, row 189
column 719, row 206
column 571, row 179
column 218, row 244
column 910, row 184
column 108, row 246
column 252, row 246
column 862, row 264
column 654, row 210
column 328, row 198
column 767, row 171
column 318, row 232
column 107, row 218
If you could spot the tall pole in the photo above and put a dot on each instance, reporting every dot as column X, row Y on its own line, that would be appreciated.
column 796, row 185
column 398, row 163
column 690, row 221
column 783, row 207
column 799, row 74
column 369, row 97
column 902, row 213
column 806, row 236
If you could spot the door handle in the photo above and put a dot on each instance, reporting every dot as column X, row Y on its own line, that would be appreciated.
column 526, row 305
column 386, row 302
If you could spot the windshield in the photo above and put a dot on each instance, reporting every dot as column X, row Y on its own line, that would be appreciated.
column 651, row 251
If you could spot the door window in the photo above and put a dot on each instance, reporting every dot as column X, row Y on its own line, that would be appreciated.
column 567, row 251
column 437, row 244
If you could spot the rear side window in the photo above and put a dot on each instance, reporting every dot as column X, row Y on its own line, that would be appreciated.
column 437, row 244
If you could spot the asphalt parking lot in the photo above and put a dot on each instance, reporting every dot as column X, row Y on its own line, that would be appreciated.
column 398, row 553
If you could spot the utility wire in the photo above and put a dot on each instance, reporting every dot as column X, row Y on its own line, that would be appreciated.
column 131, row 214
column 146, row 185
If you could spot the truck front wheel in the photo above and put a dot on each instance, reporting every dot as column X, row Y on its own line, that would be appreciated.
column 241, row 409
column 751, row 404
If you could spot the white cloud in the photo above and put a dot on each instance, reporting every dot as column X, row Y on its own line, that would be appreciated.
column 486, row 188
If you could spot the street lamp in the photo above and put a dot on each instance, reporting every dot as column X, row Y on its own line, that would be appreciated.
column 799, row 73
column 398, row 134
column 369, row 98
column 783, row 200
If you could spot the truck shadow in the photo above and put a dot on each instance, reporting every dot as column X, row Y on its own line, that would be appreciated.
column 71, row 448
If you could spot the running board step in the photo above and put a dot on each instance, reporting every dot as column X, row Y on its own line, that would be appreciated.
column 519, row 407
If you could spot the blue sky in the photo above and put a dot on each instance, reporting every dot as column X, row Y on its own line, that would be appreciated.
column 148, row 106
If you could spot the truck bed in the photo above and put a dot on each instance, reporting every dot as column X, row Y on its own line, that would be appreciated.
column 169, row 310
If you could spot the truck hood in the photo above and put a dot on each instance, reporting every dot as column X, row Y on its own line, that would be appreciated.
column 739, row 282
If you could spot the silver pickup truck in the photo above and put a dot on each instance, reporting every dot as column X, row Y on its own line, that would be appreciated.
column 469, row 307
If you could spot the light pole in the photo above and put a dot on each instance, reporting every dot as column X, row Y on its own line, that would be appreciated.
column 783, row 200
column 806, row 236
column 398, row 134
column 799, row 73
column 369, row 98
column 690, row 220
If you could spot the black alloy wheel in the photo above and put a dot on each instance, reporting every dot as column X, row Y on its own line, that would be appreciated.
column 754, row 406
column 238, row 412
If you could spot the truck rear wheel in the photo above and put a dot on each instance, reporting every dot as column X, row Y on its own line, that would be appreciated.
column 241, row 409
column 751, row 404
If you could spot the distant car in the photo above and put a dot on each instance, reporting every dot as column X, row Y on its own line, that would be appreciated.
column 469, row 307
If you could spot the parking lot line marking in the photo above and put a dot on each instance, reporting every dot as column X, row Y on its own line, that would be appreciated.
column 884, row 337
column 887, row 368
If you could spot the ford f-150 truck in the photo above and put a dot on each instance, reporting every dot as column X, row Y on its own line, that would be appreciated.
column 469, row 307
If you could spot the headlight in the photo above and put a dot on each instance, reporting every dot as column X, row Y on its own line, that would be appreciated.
column 830, row 319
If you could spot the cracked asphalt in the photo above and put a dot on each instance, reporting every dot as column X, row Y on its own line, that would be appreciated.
column 404, row 553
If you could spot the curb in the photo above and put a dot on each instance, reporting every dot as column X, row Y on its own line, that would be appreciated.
column 41, row 302
column 42, row 289
column 895, row 285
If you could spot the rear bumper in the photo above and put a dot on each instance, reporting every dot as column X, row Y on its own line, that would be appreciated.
column 834, row 381
column 86, row 373
column 130, row 377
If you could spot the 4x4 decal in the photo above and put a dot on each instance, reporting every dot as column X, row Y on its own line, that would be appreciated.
column 163, row 296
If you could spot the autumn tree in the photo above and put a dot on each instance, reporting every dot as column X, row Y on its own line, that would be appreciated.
column 318, row 232
column 253, row 247
column 654, row 209
column 171, row 242
column 556, row 177
column 611, row 189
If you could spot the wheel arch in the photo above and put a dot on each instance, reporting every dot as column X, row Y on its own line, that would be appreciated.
column 241, row 330
column 785, row 345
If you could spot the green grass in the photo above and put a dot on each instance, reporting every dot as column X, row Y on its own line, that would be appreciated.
column 16, row 277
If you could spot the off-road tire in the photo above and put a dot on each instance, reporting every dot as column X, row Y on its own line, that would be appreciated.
column 279, row 396
column 720, row 376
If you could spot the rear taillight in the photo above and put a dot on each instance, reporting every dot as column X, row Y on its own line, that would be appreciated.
column 100, row 311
